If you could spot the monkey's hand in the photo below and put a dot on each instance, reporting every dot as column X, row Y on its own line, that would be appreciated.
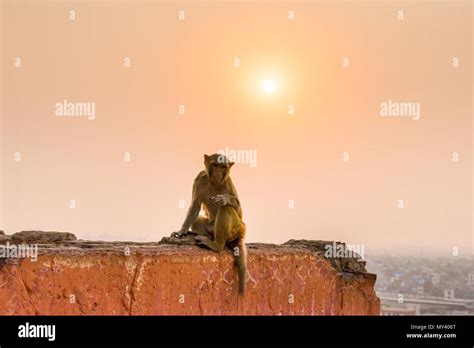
column 179, row 234
column 220, row 200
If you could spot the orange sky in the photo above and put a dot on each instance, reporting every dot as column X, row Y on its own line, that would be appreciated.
column 299, row 156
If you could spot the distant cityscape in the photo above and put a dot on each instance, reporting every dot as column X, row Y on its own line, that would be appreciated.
column 412, row 285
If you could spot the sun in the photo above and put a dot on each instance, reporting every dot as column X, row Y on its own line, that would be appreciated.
column 269, row 86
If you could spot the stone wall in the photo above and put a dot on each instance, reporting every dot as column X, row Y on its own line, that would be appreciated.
column 174, row 277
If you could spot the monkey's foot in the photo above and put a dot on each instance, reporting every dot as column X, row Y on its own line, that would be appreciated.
column 204, row 241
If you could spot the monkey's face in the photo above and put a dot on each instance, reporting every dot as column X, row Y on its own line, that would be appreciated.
column 218, row 168
column 218, row 172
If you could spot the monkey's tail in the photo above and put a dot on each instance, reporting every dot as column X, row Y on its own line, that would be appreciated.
column 241, row 261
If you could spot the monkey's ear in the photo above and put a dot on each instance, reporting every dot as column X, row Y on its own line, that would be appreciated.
column 231, row 164
column 206, row 158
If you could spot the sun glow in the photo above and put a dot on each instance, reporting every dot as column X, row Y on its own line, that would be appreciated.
column 269, row 86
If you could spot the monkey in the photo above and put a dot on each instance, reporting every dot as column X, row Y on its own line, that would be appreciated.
column 222, row 224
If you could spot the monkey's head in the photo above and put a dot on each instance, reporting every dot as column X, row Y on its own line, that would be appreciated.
column 217, row 167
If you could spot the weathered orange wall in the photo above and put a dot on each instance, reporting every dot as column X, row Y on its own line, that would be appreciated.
column 97, row 278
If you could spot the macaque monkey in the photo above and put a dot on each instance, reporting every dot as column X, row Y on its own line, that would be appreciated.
column 222, row 224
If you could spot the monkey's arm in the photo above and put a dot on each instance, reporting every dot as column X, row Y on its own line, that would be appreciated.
column 192, row 215
column 194, row 209
column 230, row 198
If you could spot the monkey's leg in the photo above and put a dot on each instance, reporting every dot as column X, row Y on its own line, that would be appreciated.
column 226, row 227
column 200, row 226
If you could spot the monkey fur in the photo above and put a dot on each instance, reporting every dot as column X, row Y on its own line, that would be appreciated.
column 222, row 224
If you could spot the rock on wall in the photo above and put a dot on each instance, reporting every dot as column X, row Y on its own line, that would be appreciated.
column 76, row 277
